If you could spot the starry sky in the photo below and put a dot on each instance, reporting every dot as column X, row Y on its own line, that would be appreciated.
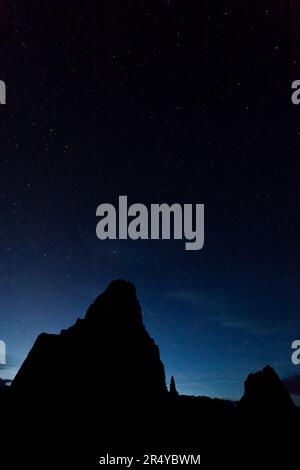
column 162, row 102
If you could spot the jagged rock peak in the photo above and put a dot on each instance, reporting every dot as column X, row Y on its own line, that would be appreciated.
column 119, row 299
column 266, row 387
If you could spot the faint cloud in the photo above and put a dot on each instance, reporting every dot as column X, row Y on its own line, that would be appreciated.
column 193, row 299
column 254, row 327
column 248, row 325
column 187, row 296
column 211, row 384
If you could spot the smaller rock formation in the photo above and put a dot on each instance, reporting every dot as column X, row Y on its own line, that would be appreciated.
column 265, row 388
column 173, row 390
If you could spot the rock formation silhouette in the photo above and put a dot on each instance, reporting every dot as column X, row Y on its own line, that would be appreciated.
column 265, row 388
column 173, row 390
column 111, row 346
column 123, row 406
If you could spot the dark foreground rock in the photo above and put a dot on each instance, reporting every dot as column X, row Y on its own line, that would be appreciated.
column 53, row 418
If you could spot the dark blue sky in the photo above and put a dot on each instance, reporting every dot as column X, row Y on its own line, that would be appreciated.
column 162, row 104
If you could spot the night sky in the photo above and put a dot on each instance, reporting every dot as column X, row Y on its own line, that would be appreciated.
column 163, row 102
